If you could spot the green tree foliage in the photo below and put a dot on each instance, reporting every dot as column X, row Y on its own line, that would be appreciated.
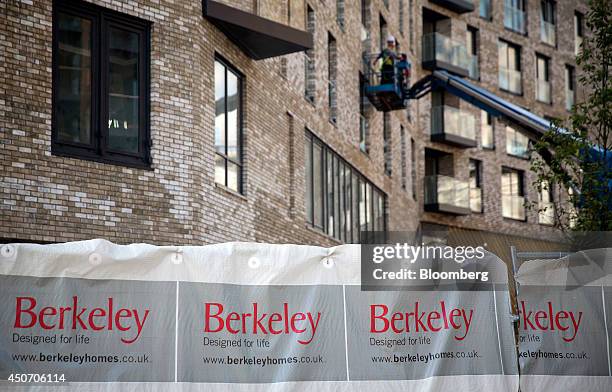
column 566, row 150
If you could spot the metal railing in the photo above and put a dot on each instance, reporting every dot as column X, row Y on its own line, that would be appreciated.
column 447, row 190
column 546, row 213
column 473, row 71
column 547, row 33
column 439, row 47
column 476, row 199
column 569, row 99
column 513, row 207
column 543, row 90
column 514, row 18
column 510, row 79
column 363, row 133
column 454, row 121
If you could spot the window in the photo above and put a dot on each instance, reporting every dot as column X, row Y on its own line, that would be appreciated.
column 475, row 185
column 485, row 9
column 365, row 4
column 339, row 200
column 543, row 79
column 228, row 126
column 509, row 58
column 331, row 76
column 340, row 13
column 382, row 32
column 363, row 119
column 400, row 5
column 517, row 144
column 578, row 31
column 570, row 87
column 547, row 22
column 404, row 180
column 309, row 59
column 411, row 25
column 413, row 168
column 387, row 143
column 546, row 207
column 486, row 130
column 100, row 85
column 514, row 15
column 472, row 51
column 513, row 200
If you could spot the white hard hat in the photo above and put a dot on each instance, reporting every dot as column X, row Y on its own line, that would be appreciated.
column 390, row 38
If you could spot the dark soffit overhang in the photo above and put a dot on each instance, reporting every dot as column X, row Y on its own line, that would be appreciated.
column 258, row 37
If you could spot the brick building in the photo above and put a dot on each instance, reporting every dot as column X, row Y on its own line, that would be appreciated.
column 155, row 121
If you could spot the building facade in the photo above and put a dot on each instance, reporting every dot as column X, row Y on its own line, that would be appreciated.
column 148, row 121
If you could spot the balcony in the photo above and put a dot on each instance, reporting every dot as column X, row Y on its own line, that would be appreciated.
column 546, row 213
column 473, row 71
column 569, row 99
column 510, row 80
column 441, row 52
column 543, row 90
column 476, row 199
column 459, row 6
column 514, row 19
column 547, row 33
column 363, row 132
column 447, row 195
column 513, row 207
column 453, row 126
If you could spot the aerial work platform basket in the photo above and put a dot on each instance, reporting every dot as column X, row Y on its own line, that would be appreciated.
column 387, row 88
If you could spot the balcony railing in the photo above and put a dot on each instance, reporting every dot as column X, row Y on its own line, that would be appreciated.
column 546, row 213
column 514, row 19
column 513, row 207
column 453, row 125
column 510, row 79
column 363, row 132
column 476, row 199
column 543, row 90
column 547, row 33
column 473, row 71
column 440, row 51
column 569, row 99
column 447, row 194
column 577, row 45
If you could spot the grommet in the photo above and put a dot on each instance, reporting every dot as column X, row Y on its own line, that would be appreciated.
column 254, row 262
column 7, row 250
column 177, row 258
column 327, row 262
column 95, row 258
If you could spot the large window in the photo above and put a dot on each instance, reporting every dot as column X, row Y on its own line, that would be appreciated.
column 475, row 185
column 485, row 9
column 228, row 126
column 100, row 85
column 509, row 58
column 513, row 197
column 517, row 144
column 514, row 15
column 578, row 32
column 471, row 41
column 309, row 59
column 339, row 200
column 487, row 130
column 547, row 22
column 570, row 87
column 543, row 79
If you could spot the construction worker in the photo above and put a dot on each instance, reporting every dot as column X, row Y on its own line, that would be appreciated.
column 388, row 56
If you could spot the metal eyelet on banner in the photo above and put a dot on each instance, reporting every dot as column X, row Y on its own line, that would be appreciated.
column 327, row 262
column 7, row 251
column 254, row 262
column 95, row 258
column 177, row 257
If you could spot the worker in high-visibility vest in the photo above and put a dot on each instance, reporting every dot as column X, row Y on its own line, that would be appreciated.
column 388, row 56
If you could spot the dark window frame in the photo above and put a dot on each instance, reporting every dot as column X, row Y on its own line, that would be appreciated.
column 240, row 136
column 347, row 235
column 103, row 20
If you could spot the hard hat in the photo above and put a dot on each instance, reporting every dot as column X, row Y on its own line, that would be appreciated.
column 390, row 38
